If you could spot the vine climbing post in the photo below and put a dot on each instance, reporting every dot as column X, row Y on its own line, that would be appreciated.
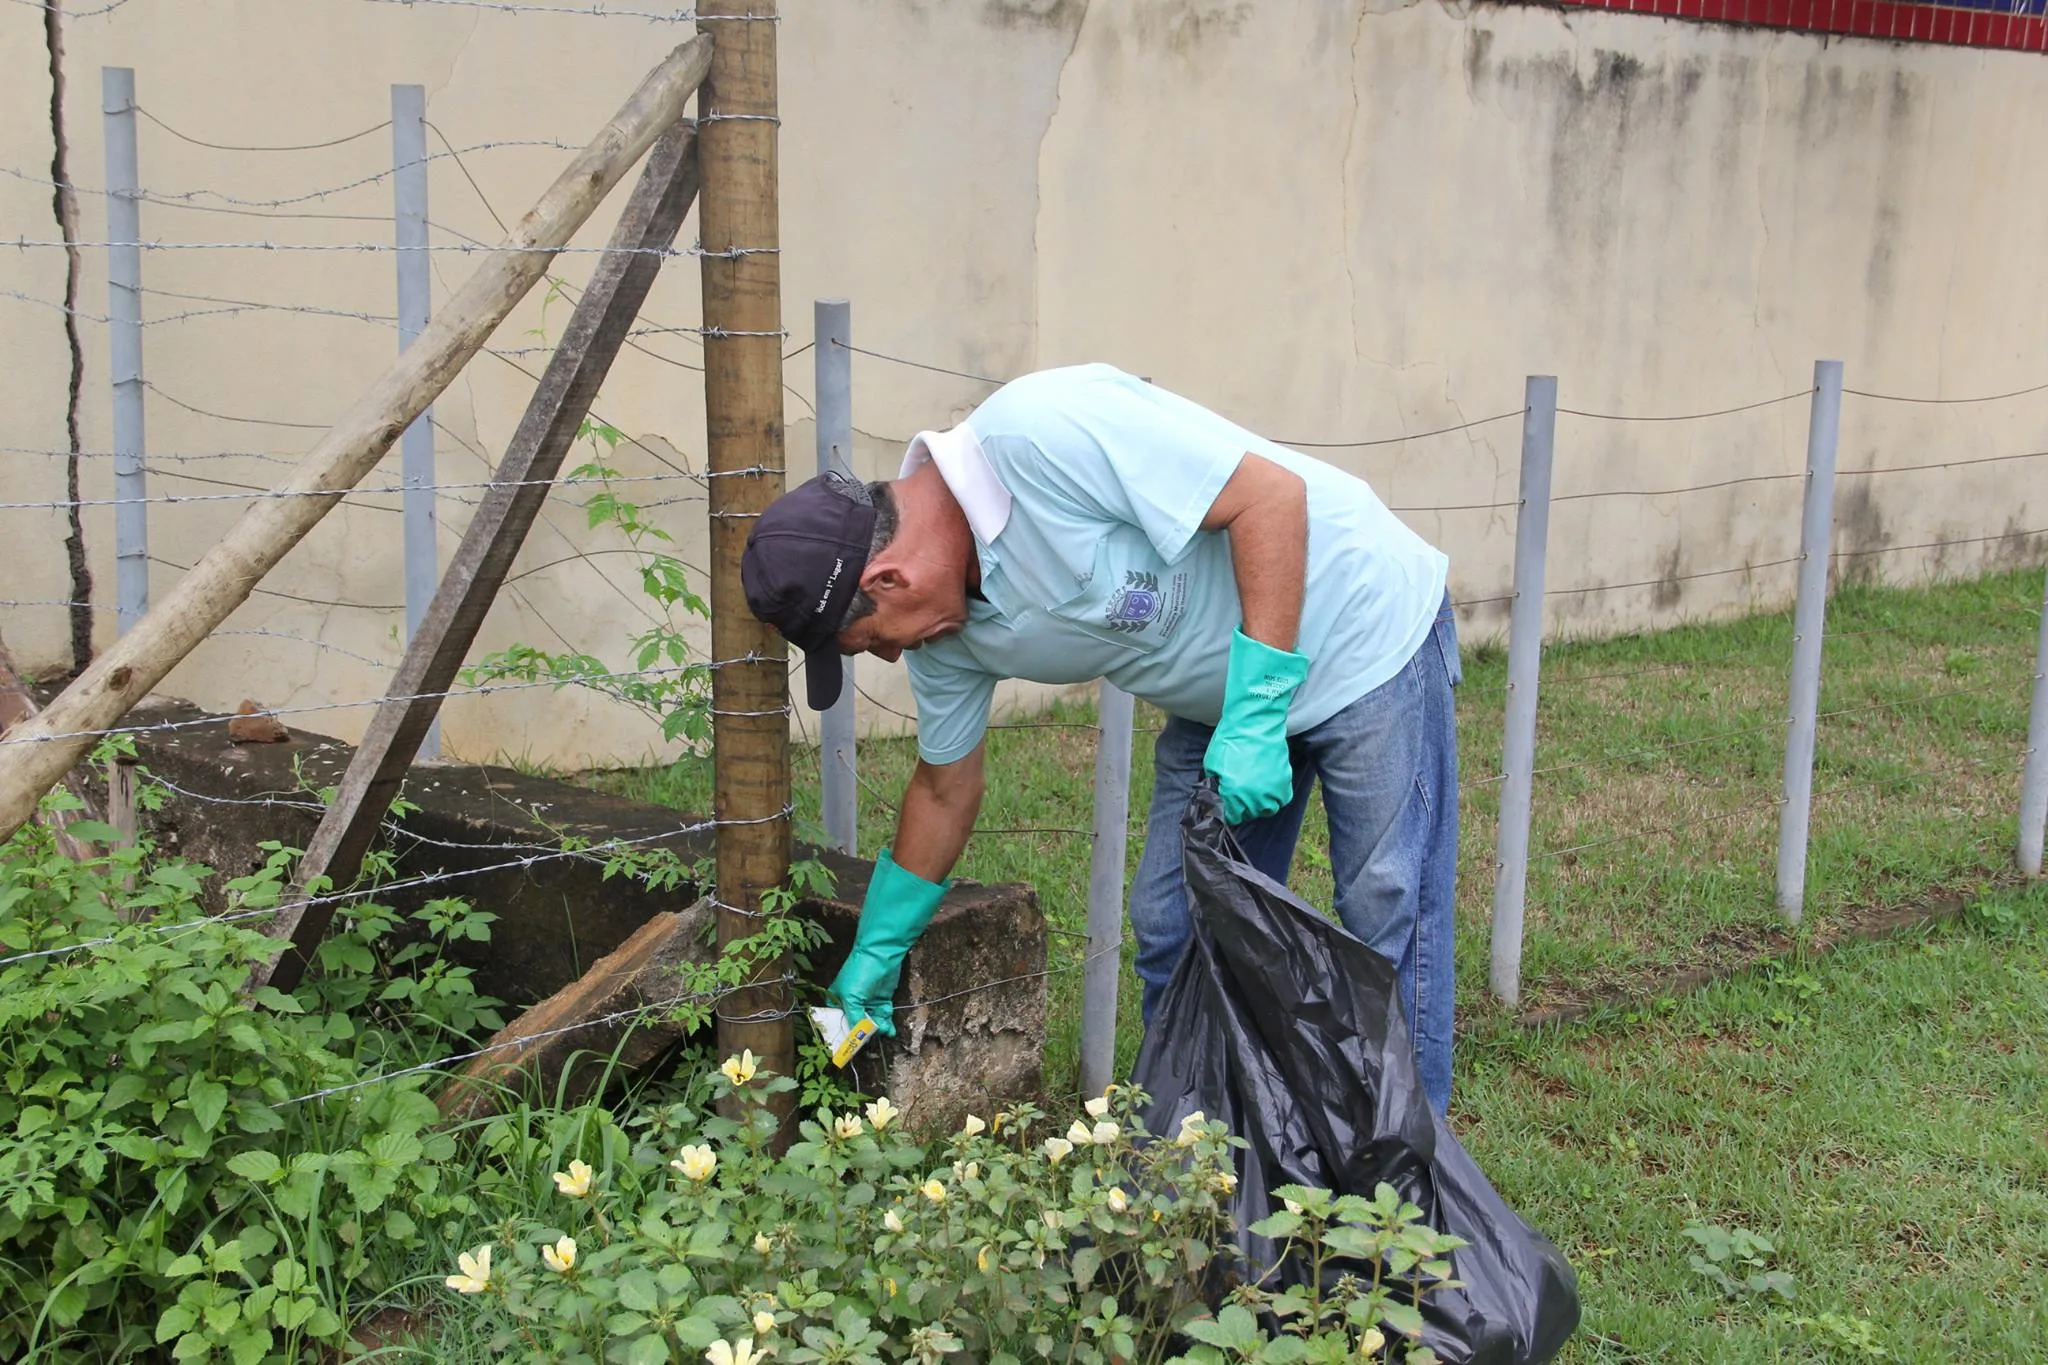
column 744, row 445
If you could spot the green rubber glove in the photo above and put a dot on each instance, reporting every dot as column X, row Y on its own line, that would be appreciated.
column 899, row 905
column 1248, row 753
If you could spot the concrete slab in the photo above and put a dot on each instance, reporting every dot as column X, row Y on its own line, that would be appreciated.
column 970, row 1013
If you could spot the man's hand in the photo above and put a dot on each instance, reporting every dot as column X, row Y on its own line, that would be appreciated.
column 939, row 809
column 1264, row 507
column 894, row 916
column 1248, row 753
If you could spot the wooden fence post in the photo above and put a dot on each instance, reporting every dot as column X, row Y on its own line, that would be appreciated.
column 743, row 339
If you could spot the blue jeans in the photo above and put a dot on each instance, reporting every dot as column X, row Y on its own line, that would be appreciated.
column 1388, row 764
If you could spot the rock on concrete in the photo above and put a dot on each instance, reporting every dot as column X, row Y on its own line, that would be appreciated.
column 970, row 1013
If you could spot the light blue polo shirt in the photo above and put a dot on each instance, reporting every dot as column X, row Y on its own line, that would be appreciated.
column 1086, row 488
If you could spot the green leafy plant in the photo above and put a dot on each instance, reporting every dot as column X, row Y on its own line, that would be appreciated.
column 188, row 1163
column 1738, row 1262
column 1845, row 1335
column 685, row 1236
column 664, row 681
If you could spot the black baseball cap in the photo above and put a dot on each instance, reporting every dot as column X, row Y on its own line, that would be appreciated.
column 802, row 567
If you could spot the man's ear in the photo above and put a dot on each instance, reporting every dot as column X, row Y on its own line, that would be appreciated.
column 882, row 577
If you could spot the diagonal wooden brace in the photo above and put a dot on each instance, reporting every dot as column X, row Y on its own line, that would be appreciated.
column 595, row 333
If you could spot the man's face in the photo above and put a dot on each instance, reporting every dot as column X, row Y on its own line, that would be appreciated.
column 912, row 606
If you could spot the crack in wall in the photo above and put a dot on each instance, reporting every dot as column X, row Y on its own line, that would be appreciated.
column 1033, row 361
column 1763, row 222
column 1344, row 180
column 65, row 206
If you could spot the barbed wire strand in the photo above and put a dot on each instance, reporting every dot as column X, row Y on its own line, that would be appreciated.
column 1685, row 416
column 1939, row 464
column 1944, row 402
column 1672, row 578
column 272, row 147
column 481, row 689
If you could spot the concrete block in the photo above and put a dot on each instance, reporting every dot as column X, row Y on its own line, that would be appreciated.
column 570, row 945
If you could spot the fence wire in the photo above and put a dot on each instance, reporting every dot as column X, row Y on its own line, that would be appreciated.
column 295, row 223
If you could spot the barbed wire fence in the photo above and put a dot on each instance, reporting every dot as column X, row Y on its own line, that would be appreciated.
column 1801, row 727
column 210, row 477
column 225, row 479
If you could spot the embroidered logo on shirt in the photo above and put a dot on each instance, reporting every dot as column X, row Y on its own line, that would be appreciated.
column 1135, row 605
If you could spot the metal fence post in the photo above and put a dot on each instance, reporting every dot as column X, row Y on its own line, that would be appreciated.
column 1809, row 621
column 1104, row 964
column 124, row 338
column 2034, row 784
column 1525, row 659
column 832, row 321
column 416, row 448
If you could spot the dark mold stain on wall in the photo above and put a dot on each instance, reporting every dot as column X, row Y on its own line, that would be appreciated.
column 1063, row 16
column 1669, row 585
column 1181, row 26
column 1860, row 532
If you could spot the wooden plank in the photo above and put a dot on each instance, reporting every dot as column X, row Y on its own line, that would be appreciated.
column 743, row 418
column 17, row 706
column 45, row 748
column 595, row 333
column 621, row 1013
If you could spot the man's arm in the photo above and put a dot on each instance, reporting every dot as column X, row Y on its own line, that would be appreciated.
column 1264, row 507
column 938, row 814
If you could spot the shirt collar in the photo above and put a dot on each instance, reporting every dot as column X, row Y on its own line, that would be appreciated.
column 968, row 474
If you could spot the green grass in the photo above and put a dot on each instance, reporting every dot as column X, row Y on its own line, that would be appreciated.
column 1654, row 839
column 1877, row 1113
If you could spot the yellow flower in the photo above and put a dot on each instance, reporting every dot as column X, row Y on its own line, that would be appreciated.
column 1078, row 1134
column 1189, row 1126
column 1097, row 1107
column 1052, row 1219
column 881, row 1113
column 1058, row 1150
column 762, row 1244
column 974, row 1127
column 933, row 1190
column 846, row 1127
column 1292, row 1207
column 966, row 1170
column 696, row 1163
column 1371, row 1342
column 561, row 1256
column 1225, row 1182
column 764, row 1323
column 476, row 1272
column 1001, row 1119
column 1105, row 1133
column 734, row 1353
column 890, row 1286
column 981, row 1259
column 739, row 1070
column 1118, row 1200
column 574, row 1182
column 893, row 1221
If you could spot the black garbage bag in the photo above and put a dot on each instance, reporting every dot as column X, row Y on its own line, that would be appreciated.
column 1285, row 1027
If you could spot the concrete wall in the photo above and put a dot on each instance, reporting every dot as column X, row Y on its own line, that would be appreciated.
column 1331, row 221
